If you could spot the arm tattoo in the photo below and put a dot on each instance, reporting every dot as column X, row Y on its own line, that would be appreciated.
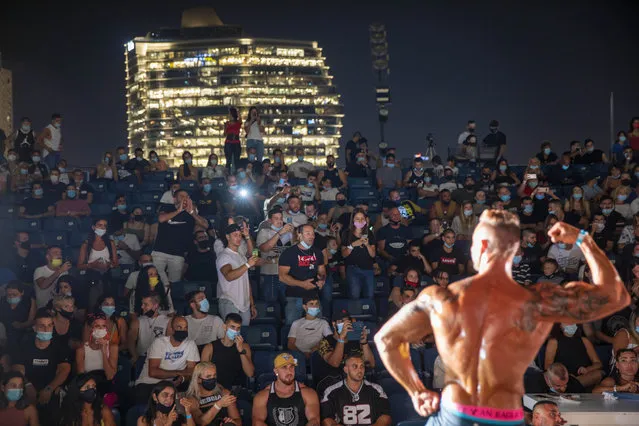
column 579, row 303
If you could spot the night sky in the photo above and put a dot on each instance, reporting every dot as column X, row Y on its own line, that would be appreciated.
column 545, row 70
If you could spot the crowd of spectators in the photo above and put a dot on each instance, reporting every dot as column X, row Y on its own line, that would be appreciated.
column 137, row 294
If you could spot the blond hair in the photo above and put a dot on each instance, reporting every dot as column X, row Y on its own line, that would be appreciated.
column 504, row 229
column 194, row 386
column 59, row 300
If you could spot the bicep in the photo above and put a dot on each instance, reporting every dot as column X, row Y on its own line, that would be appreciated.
column 226, row 269
column 576, row 302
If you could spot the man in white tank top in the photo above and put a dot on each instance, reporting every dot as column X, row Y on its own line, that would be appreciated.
column 50, row 142
column 146, row 328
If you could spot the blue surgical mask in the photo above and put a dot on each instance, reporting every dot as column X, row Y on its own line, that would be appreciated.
column 108, row 310
column 517, row 260
column 282, row 181
column 251, row 157
column 533, row 184
column 314, row 312
column 637, row 329
column 570, row 330
column 277, row 228
column 547, row 151
column 188, row 161
column 553, row 390
column 480, row 201
column 503, row 168
column 62, row 169
column 390, row 165
column 231, row 334
column 45, row 336
column 14, row 300
column 322, row 226
column 340, row 327
column 622, row 197
column 123, row 157
column 565, row 167
column 36, row 158
column 14, row 394
column 552, row 212
column 561, row 245
column 71, row 193
column 241, row 175
column 24, row 171
column 530, row 245
column 122, row 207
column 310, row 184
column 590, row 149
column 332, row 251
column 277, row 159
column 534, row 167
column 637, row 174
column 577, row 196
column 38, row 192
column 300, row 157
column 450, row 246
column 528, row 208
column 427, row 179
column 118, row 237
column 204, row 305
column 540, row 196
column 468, row 213
column 504, row 198
column 606, row 212
column 207, row 187
column 305, row 245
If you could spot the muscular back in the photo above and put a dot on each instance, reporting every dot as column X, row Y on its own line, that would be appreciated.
column 487, row 333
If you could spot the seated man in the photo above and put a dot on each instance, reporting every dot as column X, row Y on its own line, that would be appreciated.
column 300, row 168
column 285, row 401
column 53, row 188
column 46, row 276
column 414, row 259
column 521, row 269
column 37, row 205
column 206, row 200
column 170, row 357
column 146, row 328
column 568, row 257
column 407, row 295
column 355, row 401
column 334, row 348
column 72, row 206
column 45, row 363
column 294, row 215
column 203, row 327
column 624, row 377
column 37, row 169
column 310, row 191
column 306, row 333
column 554, row 380
column 128, row 246
column 83, row 190
column 444, row 209
column 389, row 176
column 546, row 413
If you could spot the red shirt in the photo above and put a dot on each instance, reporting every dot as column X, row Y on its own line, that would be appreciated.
column 633, row 141
column 233, row 131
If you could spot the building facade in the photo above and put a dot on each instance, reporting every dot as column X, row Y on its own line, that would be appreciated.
column 6, row 103
column 181, row 83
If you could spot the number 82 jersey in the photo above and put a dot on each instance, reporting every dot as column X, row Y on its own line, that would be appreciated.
column 354, row 408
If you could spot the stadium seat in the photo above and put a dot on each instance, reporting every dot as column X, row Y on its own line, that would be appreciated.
column 101, row 210
column 154, row 186
column 8, row 212
column 123, row 187
column 381, row 303
column 245, row 408
column 55, row 238
column 382, row 286
column 360, row 194
column 99, row 186
column 69, row 224
column 429, row 356
column 77, row 238
column 360, row 183
column 189, row 186
column 180, row 289
column 26, row 225
column 218, row 183
column 261, row 337
column 267, row 313
column 159, row 176
column 149, row 197
column 269, row 289
column 363, row 309
column 149, row 208
column 6, row 275
column 325, row 206
column 104, row 198
column 284, row 336
column 374, row 206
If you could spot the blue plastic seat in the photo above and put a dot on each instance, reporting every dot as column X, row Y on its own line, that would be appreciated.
column 326, row 205
column 69, row 224
column 354, row 182
column 189, row 185
column 267, row 313
column 123, row 187
column 154, row 186
column 363, row 194
column 218, row 183
column 101, row 210
column 261, row 337
column 26, row 225
column 8, row 211
column 382, row 286
column 159, row 176
column 55, row 238
column 99, row 186
column 149, row 197
column 363, row 309
column 77, row 238
column 374, row 206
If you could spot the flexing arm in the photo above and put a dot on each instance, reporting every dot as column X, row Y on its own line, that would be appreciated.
column 579, row 302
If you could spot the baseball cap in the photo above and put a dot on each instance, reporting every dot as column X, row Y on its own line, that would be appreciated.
column 232, row 228
column 340, row 315
column 284, row 359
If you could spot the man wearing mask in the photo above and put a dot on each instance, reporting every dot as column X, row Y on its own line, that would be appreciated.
column 301, row 268
column 83, row 189
column 360, row 167
column 336, row 176
column 614, row 220
column 200, row 261
column 307, row 332
column 203, row 327
column 352, row 147
column 564, row 173
column 392, row 239
column 310, row 190
column 546, row 156
column 121, row 159
column 505, row 196
column 132, row 280
column 532, row 252
column 294, row 214
column 470, row 130
column 300, row 168
column 486, row 182
column 53, row 188
column 206, row 201
column 444, row 209
column 45, row 277
column 37, row 169
column 170, row 357
column 37, row 206
column 272, row 240
column 592, row 155
column 24, row 140
column 138, row 164
column 50, row 141
column 232, row 352
column 389, row 176
column 144, row 329
column 467, row 192
column 604, row 237
column 494, row 143
column 251, row 158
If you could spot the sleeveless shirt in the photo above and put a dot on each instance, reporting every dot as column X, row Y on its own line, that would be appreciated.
column 285, row 411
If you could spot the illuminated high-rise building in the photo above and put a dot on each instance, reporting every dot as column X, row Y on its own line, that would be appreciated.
column 6, row 102
column 180, row 84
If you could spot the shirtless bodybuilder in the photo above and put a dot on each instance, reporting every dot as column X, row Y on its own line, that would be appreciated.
column 488, row 328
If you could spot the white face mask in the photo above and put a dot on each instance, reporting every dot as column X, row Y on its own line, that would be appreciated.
column 99, row 333
column 100, row 232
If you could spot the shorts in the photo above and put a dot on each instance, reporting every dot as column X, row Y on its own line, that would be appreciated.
column 451, row 414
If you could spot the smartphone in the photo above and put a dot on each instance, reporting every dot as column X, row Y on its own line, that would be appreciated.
column 542, row 190
column 531, row 177
column 356, row 333
column 256, row 252
column 289, row 220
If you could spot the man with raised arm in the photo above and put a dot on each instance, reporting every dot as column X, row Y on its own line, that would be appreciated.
column 488, row 328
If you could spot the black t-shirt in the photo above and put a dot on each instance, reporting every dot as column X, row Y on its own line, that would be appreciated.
column 135, row 164
column 551, row 158
column 33, row 206
column 602, row 238
column 396, row 240
column 412, row 262
column 357, row 170
column 448, row 261
column 352, row 146
column 206, row 203
column 20, row 314
column 338, row 404
column 359, row 255
column 593, row 157
column 303, row 264
column 74, row 333
column 117, row 219
column 531, row 219
column 535, row 383
column 531, row 256
column 40, row 365
column 84, row 191
column 615, row 220
column 53, row 191
column 201, row 266
column 175, row 236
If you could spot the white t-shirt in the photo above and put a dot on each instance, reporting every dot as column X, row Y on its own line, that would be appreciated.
column 237, row 291
column 205, row 330
column 329, row 195
column 43, row 295
column 134, row 244
column 271, row 257
column 308, row 333
column 300, row 169
column 566, row 259
column 167, row 198
column 295, row 219
column 218, row 247
column 132, row 282
column 307, row 193
column 171, row 358
column 149, row 329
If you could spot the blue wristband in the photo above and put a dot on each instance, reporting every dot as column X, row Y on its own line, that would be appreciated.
column 580, row 238
column 340, row 341
column 188, row 416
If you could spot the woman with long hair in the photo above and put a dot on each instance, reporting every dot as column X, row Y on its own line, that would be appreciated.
column 503, row 175
column 627, row 337
column 106, row 169
column 161, row 409
column 212, row 404
column 358, row 249
column 136, row 224
column 577, row 208
column 213, row 169
column 156, row 164
column 624, row 377
column 465, row 221
column 15, row 410
column 620, row 196
column 117, row 328
column 83, row 406
column 254, row 132
column 410, row 278
column 187, row 170
column 98, row 255
column 232, row 147
column 17, row 312
column 621, row 142
column 149, row 282
column 98, row 355
column 613, row 180
column 542, row 236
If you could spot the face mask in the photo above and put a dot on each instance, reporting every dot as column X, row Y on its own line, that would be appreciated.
column 480, row 201
column 11, row 157
column 24, row 171
column 553, row 390
column 204, row 305
column 231, row 334
column 56, row 263
column 528, row 209
column 314, row 312
column 149, row 313
column 565, row 167
column 533, row 184
column 99, row 333
column 310, row 184
column 66, row 314
column 606, row 212
column 62, row 169
column 68, row 293
column 530, row 245
column 71, row 193
column 209, row 384
column 577, row 196
column 323, row 226
column 280, row 200
column 570, row 330
column 305, row 245
column 14, row 394
column 503, row 168
column 88, row 395
column 57, row 125
column 390, row 165
column 25, row 245
column 155, row 159
column 622, row 197
column 153, row 281
column 36, row 159
column 468, row 213
column 123, row 157
column 360, row 159
column 38, row 192
column 180, row 335
column 26, row 128
column 329, row 164
column 300, row 157
column 626, row 182
column 517, row 260
column 241, row 175
column 122, row 207
column 55, row 179
column 590, row 149
column 233, row 187
column 108, row 310
column 540, row 196
column 100, row 232
column 340, row 327
column 204, row 244
column 14, row 300
column 138, row 217
column 622, row 138
column 164, row 409
column 561, row 246
column 504, row 198
column 359, row 224
column 427, row 179
column 332, row 251
column 207, row 187
column 44, row 336
column 188, row 161
column 450, row 246
column 552, row 212
column 341, row 203
column 599, row 226
column 277, row 159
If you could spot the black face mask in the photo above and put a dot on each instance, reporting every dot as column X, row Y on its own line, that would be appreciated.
column 25, row 245
column 341, row 203
column 485, row 177
column 209, row 384
column 88, row 395
column 163, row 408
column 394, row 222
column 149, row 313
column 138, row 218
column 66, row 314
column 469, row 186
column 330, row 165
column 626, row 182
column 180, row 335
column 204, row 244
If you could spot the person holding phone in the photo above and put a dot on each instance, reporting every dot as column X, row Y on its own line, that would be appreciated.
column 358, row 250
column 254, row 131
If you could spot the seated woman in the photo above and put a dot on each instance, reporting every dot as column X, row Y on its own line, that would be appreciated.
column 465, row 221
column 627, row 338
column 15, row 410
column 106, row 169
column 187, row 170
column 161, row 408
column 17, row 311
column 117, row 328
column 66, row 329
column 149, row 282
column 569, row 346
column 410, row 279
column 577, row 209
column 97, row 355
column 137, row 225
column 83, row 405
column 624, row 378
column 157, row 164
column 212, row 403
